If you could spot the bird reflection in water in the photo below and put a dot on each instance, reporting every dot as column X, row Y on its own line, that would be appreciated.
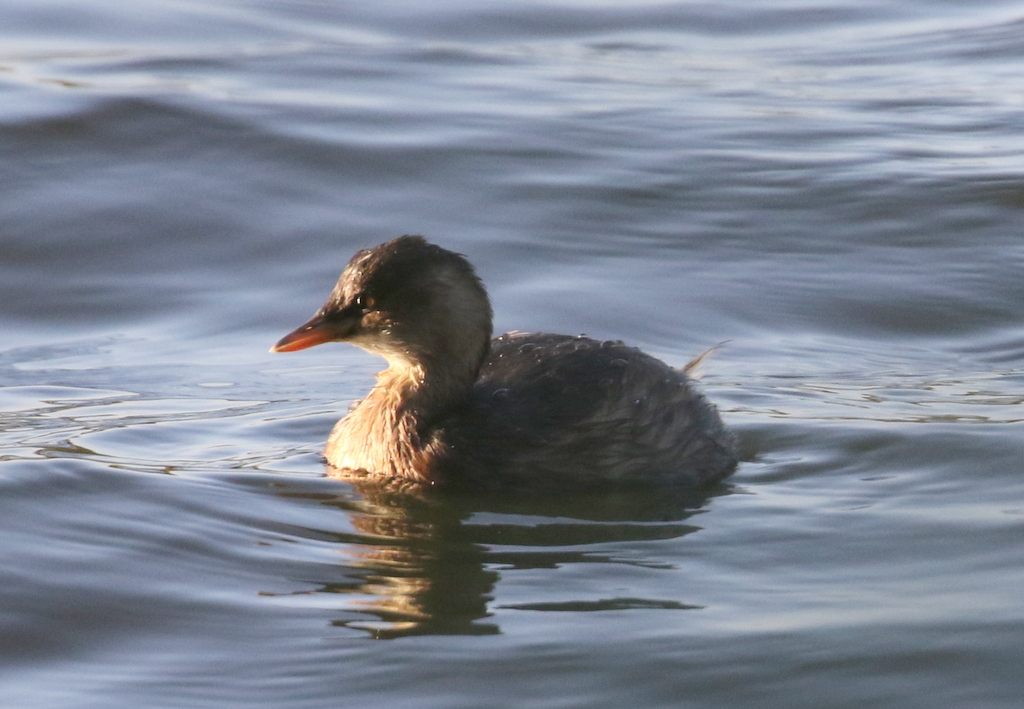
column 423, row 563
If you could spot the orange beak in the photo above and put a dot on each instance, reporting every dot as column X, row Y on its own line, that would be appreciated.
column 315, row 332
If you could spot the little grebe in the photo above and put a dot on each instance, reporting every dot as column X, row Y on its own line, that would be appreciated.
column 455, row 407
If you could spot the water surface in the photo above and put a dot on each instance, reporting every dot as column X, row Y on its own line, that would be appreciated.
column 832, row 189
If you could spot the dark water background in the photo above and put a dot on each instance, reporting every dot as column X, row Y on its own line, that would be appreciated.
column 835, row 188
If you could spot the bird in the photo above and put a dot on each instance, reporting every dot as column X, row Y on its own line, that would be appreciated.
column 456, row 408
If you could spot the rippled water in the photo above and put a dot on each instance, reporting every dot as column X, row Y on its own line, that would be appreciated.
column 834, row 189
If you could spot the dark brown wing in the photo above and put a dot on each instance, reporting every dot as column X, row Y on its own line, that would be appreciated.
column 560, row 410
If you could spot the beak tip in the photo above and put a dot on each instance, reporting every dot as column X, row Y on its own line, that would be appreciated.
column 288, row 345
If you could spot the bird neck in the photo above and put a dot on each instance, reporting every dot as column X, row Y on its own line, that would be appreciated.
column 392, row 431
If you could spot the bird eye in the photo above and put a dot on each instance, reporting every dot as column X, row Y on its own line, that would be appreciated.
column 365, row 302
